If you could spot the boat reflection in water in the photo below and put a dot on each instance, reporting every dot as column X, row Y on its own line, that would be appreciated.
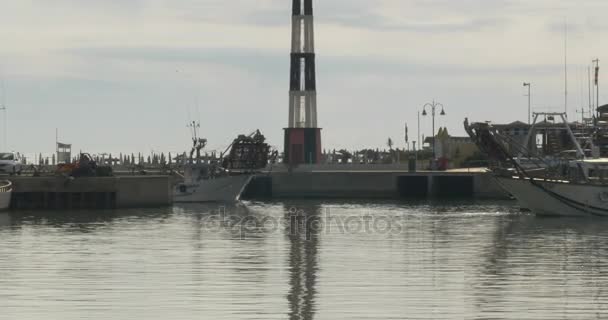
column 6, row 190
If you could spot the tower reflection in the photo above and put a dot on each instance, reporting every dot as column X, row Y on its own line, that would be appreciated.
column 302, row 230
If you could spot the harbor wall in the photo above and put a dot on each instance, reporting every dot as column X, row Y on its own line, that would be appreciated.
column 333, row 185
column 55, row 192
column 379, row 183
column 144, row 191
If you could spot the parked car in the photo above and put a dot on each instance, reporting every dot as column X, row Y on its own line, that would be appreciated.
column 9, row 163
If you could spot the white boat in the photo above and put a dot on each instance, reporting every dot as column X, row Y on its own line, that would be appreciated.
column 581, row 190
column 208, row 183
column 557, row 197
column 6, row 189
column 559, row 185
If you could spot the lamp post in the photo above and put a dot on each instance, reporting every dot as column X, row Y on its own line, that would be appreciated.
column 529, row 85
column 418, row 136
column 433, row 107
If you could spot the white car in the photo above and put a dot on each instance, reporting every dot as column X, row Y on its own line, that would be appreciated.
column 9, row 163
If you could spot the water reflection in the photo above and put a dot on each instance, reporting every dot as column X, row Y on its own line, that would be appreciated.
column 84, row 218
column 303, row 260
column 5, row 220
column 545, row 265
column 303, row 234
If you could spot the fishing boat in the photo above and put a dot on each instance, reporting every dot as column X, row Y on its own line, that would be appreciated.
column 6, row 189
column 555, row 184
column 210, row 183
column 221, row 179
column 575, row 194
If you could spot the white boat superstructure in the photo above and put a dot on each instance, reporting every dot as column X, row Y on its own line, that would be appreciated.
column 6, row 189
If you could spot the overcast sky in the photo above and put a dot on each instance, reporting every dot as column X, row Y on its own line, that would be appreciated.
column 127, row 75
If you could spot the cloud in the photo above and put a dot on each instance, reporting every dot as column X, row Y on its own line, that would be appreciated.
column 378, row 61
column 429, row 17
column 261, row 61
column 272, row 62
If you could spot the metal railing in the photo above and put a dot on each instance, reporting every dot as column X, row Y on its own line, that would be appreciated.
column 6, row 186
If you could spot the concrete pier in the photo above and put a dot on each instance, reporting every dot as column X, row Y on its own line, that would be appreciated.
column 54, row 192
column 389, row 182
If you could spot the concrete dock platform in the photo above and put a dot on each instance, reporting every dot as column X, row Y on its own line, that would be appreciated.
column 55, row 192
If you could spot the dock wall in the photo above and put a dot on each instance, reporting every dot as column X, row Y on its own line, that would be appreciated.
column 387, row 184
column 90, row 192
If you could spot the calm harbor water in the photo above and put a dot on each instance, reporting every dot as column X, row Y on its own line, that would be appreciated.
column 303, row 260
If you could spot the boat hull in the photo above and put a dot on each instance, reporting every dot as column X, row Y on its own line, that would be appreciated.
column 555, row 198
column 223, row 189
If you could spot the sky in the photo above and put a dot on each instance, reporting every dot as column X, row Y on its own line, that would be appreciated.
column 128, row 75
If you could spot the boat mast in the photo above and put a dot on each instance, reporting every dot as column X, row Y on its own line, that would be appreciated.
column 194, row 126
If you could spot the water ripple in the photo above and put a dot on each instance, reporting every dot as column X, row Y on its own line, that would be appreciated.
column 303, row 260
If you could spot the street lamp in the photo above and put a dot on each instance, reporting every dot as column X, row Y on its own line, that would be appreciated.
column 433, row 107
column 529, row 85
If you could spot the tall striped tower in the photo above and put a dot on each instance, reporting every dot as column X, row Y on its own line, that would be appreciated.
column 302, row 137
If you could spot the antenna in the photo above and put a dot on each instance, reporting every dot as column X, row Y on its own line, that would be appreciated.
column 197, row 105
column 194, row 126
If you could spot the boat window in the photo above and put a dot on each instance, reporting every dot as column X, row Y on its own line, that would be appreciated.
column 7, row 156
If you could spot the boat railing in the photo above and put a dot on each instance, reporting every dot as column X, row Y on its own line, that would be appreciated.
column 6, row 186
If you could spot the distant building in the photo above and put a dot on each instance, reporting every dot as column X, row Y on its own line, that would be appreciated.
column 455, row 149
